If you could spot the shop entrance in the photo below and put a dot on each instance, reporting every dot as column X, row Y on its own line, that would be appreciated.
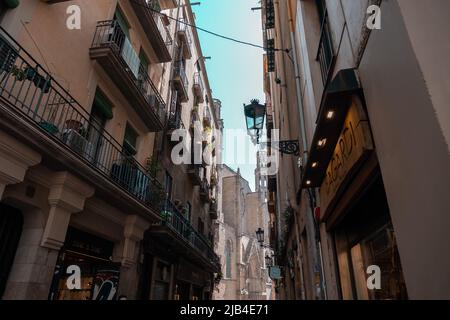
column 365, row 237
column 99, row 276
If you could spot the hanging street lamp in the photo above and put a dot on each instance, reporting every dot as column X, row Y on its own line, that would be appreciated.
column 260, row 236
column 254, row 117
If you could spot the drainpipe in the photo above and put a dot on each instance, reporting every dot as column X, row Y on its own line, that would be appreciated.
column 303, row 132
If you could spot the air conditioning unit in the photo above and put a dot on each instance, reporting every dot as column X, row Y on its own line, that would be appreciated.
column 78, row 143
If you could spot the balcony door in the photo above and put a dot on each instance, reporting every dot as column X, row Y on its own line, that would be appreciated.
column 100, row 114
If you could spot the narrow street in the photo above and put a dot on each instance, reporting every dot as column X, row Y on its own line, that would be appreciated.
column 258, row 152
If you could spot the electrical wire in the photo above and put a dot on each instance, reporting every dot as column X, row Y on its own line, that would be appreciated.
column 208, row 31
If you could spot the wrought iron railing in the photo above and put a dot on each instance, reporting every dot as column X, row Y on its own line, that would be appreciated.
column 198, row 81
column 27, row 87
column 163, row 29
column 174, row 121
column 174, row 219
column 325, row 54
column 109, row 34
column 181, row 72
column 185, row 28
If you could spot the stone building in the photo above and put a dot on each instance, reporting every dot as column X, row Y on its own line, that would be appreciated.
column 244, row 271
column 86, row 178
column 362, row 90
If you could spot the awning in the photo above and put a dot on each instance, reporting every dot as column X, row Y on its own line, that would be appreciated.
column 332, row 113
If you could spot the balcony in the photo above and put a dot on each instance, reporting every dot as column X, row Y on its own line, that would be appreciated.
column 205, row 191
column 65, row 131
column 185, row 38
column 174, row 120
column 213, row 209
column 151, row 22
column 198, row 88
column 113, row 51
column 168, row 4
column 181, row 82
column 176, row 232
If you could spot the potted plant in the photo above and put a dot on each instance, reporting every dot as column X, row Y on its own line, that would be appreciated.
column 73, row 124
column 166, row 215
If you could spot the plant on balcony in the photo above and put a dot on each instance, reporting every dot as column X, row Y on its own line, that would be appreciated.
column 166, row 215
column 152, row 166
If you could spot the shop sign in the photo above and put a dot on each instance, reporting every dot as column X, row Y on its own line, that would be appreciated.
column 275, row 272
column 354, row 142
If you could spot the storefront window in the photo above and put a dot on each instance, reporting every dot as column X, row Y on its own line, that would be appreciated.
column 366, row 238
column 89, row 258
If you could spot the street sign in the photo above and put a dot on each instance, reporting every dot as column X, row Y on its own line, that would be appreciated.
column 275, row 272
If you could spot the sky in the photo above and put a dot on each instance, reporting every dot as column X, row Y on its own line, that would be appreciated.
column 235, row 71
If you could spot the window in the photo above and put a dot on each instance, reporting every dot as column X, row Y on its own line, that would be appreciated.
column 129, row 141
column 325, row 54
column 143, row 60
column 120, row 18
column 101, row 112
column 228, row 250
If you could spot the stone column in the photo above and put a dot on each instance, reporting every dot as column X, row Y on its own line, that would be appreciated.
column 42, row 237
column 67, row 195
column 15, row 159
column 128, row 253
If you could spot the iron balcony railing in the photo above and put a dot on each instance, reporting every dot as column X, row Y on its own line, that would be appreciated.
column 163, row 29
column 184, row 27
column 27, row 87
column 198, row 81
column 174, row 219
column 325, row 54
column 174, row 121
column 181, row 72
column 109, row 34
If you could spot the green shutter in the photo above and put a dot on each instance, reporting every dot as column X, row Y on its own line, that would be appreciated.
column 129, row 141
column 102, row 104
column 122, row 22
column 143, row 58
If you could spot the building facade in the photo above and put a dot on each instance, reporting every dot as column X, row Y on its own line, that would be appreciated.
column 359, row 94
column 244, row 270
column 90, row 94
